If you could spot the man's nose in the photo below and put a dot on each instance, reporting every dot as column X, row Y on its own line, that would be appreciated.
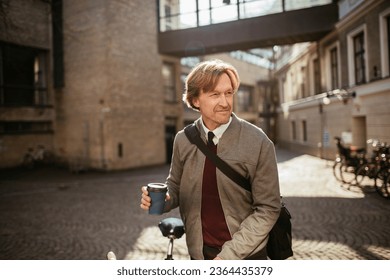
column 223, row 100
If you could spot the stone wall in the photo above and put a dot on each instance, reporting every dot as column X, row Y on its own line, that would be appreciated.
column 110, row 112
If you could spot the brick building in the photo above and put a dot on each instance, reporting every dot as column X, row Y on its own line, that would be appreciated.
column 338, row 86
column 94, row 97
column 110, row 105
column 84, row 81
column 27, row 115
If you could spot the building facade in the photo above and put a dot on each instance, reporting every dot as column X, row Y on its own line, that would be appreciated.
column 338, row 86
column 27, row 114
column 84, row 82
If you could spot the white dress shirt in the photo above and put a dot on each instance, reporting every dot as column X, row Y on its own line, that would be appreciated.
column 218, row 132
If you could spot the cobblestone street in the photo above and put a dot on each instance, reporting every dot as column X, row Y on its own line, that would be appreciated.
column 53, row 214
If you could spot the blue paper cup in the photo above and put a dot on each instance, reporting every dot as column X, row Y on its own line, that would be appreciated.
column 157, row 192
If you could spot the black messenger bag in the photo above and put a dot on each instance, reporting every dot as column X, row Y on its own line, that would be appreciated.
column 279, row 246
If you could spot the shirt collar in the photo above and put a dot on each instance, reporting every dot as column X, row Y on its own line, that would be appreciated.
column 218, row 132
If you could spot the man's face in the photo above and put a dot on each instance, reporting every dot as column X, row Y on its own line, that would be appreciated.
column 216, row 106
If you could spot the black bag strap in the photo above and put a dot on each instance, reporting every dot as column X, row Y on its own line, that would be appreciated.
column 193, row 135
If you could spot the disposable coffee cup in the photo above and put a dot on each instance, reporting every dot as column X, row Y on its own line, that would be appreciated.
column 157, row 192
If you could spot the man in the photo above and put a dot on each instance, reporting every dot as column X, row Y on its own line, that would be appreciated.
column 222, row 220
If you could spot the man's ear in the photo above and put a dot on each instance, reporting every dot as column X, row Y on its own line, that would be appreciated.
column 195, row 102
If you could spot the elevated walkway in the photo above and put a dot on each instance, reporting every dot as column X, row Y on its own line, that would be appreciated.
column 288, row 27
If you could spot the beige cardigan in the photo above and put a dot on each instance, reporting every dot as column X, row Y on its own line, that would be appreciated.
column 249, row 215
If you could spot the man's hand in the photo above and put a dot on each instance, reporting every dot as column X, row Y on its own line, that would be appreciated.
column 146, row 201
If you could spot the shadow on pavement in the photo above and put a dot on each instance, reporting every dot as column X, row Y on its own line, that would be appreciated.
column 53, row 214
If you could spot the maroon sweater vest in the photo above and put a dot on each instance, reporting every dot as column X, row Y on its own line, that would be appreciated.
column 214, row 227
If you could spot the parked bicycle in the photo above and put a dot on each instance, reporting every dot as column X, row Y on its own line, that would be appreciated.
column 352, row 168
column 375, row 172
column 384, row 188
column 347, row 162
column 173, row 228
column 39, row 156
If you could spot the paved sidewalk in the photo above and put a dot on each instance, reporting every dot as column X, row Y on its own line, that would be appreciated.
column 53, row 214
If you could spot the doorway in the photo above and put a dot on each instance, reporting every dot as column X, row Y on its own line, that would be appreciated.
column 359, row 131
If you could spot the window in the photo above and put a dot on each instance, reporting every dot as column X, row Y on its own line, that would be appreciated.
column 168, row 20
column 168, row 73
column 293, row 131
column 283, row 90
column 120, row 150
column 359, row 62
column 292, row 86
column 388, row 40
column 357, row 58
column 58, row 43
column 244, row 99
column 384, row 25
column 25, row 127
column 334, row 68
column 168, row 10
column 388, row 43
column 22, row 76
column 317, row 77
column 304, row 131
column 303, row 82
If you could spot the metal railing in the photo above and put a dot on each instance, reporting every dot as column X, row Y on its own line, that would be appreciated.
column 22, row 95
column 182, row 14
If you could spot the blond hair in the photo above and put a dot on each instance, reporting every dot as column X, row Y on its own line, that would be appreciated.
column 204, row 77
